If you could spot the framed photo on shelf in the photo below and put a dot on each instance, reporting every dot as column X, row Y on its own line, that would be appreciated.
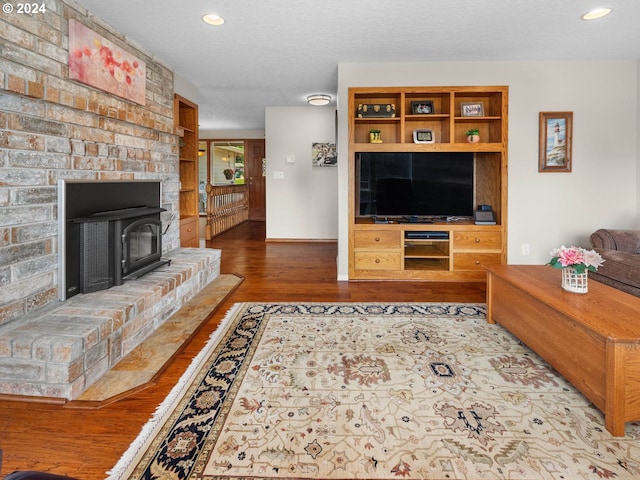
column 555, row 137
column 423, row 135
column 472, row 109
column 422, row 107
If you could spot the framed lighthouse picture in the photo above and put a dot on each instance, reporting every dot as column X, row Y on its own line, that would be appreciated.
column 556, row 132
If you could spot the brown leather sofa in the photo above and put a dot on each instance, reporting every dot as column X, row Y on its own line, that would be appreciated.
column 621, row 252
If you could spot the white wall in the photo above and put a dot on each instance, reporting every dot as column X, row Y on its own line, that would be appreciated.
column 638, row 146
column 545, row 209
column 205, row 134
column 184, row 87
column 303, row 204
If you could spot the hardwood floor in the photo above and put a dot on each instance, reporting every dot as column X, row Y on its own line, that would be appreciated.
column 86, row 443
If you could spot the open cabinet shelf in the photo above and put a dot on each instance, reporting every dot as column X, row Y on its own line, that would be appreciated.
column 186, row 127
column 446, row 113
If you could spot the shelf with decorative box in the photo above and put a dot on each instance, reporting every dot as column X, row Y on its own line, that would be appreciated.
column 426, row 121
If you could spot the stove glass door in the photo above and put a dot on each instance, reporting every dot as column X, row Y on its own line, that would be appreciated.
column 141, row 244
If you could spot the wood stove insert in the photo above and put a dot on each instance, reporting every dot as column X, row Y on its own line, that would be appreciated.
column 110, row 231
column 119, row 245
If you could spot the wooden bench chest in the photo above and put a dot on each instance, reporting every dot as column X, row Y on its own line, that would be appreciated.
column 592, row 339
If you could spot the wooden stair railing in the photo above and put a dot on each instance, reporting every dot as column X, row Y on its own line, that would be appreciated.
column 227, row 206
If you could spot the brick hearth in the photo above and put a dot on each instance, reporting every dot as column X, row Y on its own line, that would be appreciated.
column 63, row 349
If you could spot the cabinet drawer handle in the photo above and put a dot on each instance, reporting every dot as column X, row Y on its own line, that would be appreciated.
column 377, row 239
column 377, row 260
column 477, row 262
column 477, row 240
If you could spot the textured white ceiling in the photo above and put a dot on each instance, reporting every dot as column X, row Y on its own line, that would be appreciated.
column 275, row 53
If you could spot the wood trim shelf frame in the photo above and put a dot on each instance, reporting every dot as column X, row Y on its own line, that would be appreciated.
column 469, row 246
column 186, row 127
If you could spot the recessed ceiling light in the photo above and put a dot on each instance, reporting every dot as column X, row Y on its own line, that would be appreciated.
column 213, row 19
column 596, row 13
column 318, row 99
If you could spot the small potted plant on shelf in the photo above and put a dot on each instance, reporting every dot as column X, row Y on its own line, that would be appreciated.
column 228, row 173
column 374, row 136
column 473, row 135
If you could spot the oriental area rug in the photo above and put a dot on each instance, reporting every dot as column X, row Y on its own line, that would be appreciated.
column 374, row 391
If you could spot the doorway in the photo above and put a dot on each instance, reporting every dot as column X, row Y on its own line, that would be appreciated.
column 255, row 164
column 234, row 163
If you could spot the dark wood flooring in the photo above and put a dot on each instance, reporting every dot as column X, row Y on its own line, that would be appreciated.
column 87, row 443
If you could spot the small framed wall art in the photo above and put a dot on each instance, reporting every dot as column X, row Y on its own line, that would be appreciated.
column 472, row 109
column 422, row 107
column 555, row 137
column 324, row 155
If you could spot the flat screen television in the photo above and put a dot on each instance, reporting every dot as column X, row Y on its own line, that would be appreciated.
column 421, row 184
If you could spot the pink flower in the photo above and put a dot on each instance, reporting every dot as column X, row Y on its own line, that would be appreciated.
column 576, row 257
column 570, row 256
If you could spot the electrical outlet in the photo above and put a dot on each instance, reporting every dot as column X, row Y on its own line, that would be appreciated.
column 526, row 249
column 278, row 175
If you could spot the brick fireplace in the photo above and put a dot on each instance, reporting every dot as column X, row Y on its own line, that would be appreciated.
column 52, row 130
column 61, row 350
column 107, row 306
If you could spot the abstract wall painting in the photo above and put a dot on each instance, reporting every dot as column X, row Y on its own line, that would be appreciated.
column 97, row 62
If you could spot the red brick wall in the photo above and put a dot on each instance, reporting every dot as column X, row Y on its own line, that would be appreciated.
column 53, row 128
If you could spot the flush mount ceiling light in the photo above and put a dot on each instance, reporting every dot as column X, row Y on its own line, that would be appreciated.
column 596, row 13
column 318, row 99
column 213, row 19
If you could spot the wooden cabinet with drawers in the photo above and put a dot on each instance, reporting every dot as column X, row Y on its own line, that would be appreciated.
column 388, row 244
column 474, row 250
column 189, row 232
column 475, row 241
column 443, row 251
column 377, row 250
column 475, row 261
